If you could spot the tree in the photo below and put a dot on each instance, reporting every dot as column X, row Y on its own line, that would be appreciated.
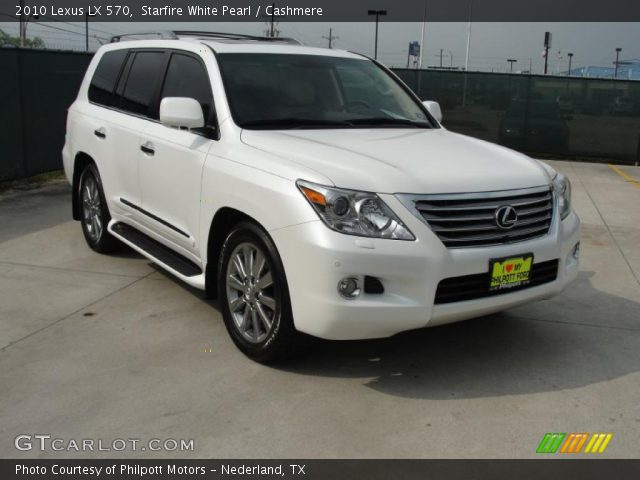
column 7, row 40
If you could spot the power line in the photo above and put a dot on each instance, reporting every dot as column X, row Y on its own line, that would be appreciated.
column 56, row 28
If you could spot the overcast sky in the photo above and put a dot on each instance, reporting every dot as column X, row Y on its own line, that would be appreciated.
column 491, row 43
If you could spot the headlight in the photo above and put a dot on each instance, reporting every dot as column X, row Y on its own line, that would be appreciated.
column 562, row 186
column 353, row 212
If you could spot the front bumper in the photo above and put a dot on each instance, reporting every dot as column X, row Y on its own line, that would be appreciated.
column 316, row 258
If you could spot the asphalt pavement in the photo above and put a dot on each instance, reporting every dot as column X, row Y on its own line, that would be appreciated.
column 110, row 347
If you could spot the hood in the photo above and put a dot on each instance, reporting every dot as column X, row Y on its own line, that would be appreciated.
column 402, row 160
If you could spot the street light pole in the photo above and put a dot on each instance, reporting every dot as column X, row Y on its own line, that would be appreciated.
column 378, row 14
column 570, row 55
column 618, row 50
column 466, row 61
column 86, row 32
column 424, row 23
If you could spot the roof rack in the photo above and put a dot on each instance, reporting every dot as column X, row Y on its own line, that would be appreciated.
column 233, row 36
column 167, row 35
column 176, row 34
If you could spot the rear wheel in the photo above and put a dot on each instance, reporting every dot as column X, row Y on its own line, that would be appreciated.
column 254, row 297
column 94, row 212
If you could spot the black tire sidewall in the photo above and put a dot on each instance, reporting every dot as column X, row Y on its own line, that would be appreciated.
column 280, row 338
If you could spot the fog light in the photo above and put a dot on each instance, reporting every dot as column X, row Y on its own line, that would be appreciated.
column 571, row 263
column 576, row 251
column 348, row 287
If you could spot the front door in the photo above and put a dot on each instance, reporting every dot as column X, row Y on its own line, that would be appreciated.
column 171, row 160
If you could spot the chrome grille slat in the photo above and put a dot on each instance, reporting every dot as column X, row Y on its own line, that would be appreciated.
column 485, row 206
column 468, row 220
column 479, row 228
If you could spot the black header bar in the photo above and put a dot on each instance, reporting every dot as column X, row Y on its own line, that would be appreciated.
column 325, row 10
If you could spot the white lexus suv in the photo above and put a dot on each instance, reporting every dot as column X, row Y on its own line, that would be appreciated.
column 308, row 189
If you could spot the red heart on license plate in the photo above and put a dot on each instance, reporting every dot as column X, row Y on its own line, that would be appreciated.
column 509, row 267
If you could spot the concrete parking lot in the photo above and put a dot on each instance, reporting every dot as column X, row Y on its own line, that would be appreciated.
column 109, row 347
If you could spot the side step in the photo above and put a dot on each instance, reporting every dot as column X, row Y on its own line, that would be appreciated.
column 159, row 253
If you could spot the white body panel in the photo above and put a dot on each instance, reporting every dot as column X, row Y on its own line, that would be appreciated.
column 190, row 178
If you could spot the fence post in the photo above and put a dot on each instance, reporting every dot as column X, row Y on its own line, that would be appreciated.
column 21, row 108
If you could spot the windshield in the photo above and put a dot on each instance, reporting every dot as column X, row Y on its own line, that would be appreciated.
column 276, row 91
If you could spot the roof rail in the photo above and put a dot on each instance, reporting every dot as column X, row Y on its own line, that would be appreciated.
column 233, row 36
column 168, row 35
column 176, row 34
column 202, row 33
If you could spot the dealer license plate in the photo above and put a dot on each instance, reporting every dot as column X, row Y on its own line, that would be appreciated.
column 510, row 272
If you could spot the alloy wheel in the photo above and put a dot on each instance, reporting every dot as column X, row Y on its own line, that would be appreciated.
column 91, row 208
column 250, row 292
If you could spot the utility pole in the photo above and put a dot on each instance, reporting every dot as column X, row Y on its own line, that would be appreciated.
column 511, row 62
column 440, row 58
column 570, row 55
column 23, row 25
column 331, row 38
column 272, row 31
column 273, row 20
column 378, row 14
column 618, row 50
column 24, row 19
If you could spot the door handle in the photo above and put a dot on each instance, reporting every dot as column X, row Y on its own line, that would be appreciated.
column 100, row 133
column 148, row 148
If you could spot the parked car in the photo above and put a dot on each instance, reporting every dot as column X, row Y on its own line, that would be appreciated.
column 536, row 124
column 309, row 190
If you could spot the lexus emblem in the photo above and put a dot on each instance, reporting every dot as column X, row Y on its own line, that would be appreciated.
column 506, row 217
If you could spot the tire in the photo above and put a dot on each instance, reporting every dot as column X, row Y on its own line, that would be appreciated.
column 94, row 213
column 254, row 297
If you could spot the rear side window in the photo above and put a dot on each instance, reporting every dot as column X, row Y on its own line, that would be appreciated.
column 142, row 82
column 187, row 77
column 105, row 77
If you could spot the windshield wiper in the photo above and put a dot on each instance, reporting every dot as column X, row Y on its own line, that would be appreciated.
column 292, row 123
column 387, row 121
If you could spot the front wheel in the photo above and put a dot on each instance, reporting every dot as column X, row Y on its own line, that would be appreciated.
column 254, row 297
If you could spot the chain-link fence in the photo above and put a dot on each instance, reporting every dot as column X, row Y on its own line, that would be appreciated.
column 574, row 117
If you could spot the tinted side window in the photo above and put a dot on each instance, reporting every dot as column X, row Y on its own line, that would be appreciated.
column 141, row 82
column 105, row 77
column 187, row 77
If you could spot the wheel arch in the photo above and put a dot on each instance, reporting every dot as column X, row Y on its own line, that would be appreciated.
column 222, row 223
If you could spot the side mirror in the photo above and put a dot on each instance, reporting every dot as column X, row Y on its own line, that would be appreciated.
column 181, row 112
column 434, row 109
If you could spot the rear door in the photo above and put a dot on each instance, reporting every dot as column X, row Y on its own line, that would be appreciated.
column 99, row 126
column 135, row 103
column 172, row 160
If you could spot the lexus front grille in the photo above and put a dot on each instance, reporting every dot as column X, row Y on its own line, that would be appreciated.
column 488, row 218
